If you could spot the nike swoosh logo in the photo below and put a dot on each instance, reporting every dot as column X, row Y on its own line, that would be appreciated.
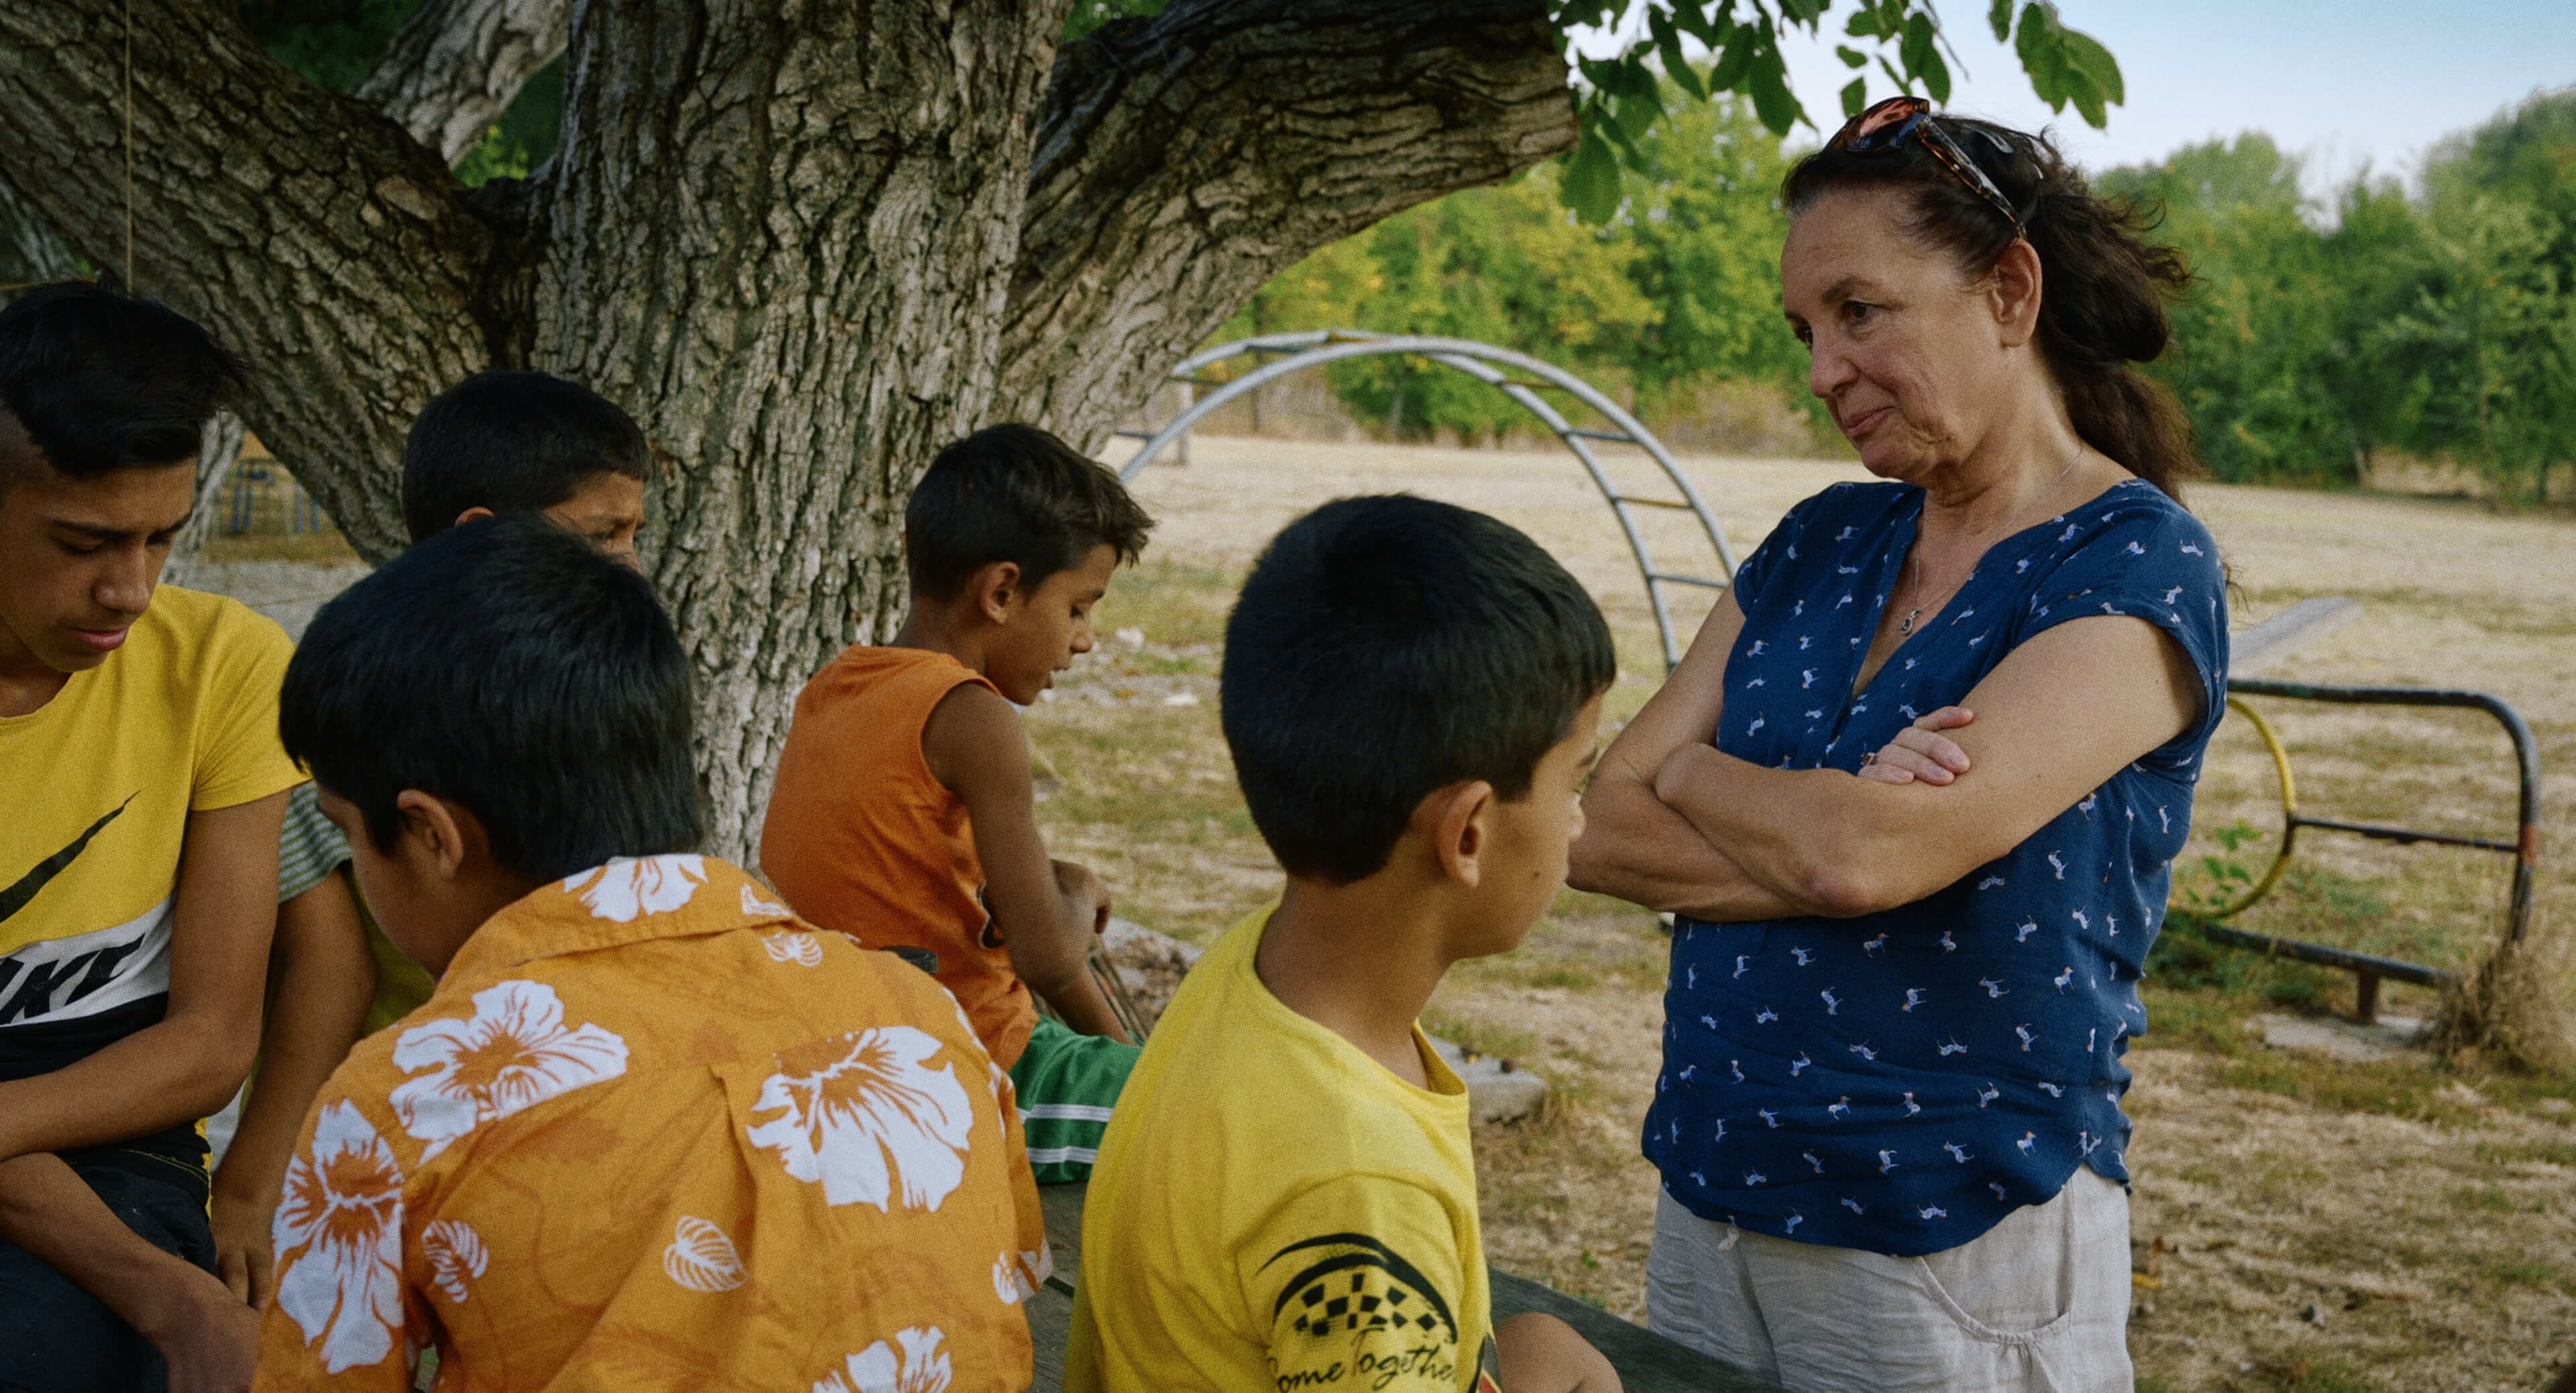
column 16, row 896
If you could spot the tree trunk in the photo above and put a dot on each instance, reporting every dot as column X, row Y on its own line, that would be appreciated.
column 1187, row 159
column 456, row 65
column 30, row 252
column 805, row 243
column 338, row 253
column 218, row 450
column 786, row 245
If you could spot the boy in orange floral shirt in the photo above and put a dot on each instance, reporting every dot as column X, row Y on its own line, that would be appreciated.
column 650, row 1130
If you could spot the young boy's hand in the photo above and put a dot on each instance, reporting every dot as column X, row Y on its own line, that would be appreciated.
column 243, row 1256
column 209, row 1339
column 1086, row 896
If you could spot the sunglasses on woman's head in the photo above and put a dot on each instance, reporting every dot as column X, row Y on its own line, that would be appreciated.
column 1887, row 125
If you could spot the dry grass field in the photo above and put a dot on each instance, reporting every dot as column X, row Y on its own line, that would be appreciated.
column 2299, row 1224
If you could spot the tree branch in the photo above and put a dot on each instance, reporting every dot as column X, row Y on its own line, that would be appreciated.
column 1186, row 159
column 30, row 252
column 456, row 65
column 336, row 253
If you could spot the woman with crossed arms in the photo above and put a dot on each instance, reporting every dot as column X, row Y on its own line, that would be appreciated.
column 1914, row 794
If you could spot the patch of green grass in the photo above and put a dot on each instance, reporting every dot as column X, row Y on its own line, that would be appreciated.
column 2503, row 1271
column 2399, row 1088
column 1566, row 977
column 2556, row 1153
column 2315, row 1376
column 2490, row 1198
column 1502, row 1042
column 1177, row 606
column 1139, row 768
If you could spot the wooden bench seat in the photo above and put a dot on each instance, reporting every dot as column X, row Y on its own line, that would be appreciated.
column 1646, row 1361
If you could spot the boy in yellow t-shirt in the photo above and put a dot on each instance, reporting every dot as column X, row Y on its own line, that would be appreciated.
column 1286, row 1197
column 141, row 783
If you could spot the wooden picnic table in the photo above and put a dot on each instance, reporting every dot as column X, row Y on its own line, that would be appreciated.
column 1646, row 1361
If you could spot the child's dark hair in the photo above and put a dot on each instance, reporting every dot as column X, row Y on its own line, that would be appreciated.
column 513, row 442
column 102, row 380
column 1388, row 647
column 1014, row 493
column 505, row 665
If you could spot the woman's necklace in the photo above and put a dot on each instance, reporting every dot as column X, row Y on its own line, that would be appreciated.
column 1905, row 626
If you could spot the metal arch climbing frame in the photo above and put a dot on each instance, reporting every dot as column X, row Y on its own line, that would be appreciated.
column 1489, row 364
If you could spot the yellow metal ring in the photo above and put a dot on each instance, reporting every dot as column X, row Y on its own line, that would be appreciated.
column 2289, row 812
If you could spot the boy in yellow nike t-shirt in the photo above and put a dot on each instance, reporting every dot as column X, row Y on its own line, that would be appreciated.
column 141, row 785
column 1286, row 1196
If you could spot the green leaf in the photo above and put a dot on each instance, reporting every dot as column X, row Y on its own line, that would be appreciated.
column 2086, row 55
column 1852, row 58
column 1863, row 23
column 1633, row 155
column 1916, row 48
column 1668, row 45
column 1999, row 17
column 1771, row 98
column 1855, row 96
column 1639, row 109
column 1708, row 25
column 1936, row 79
column 2036, row 44
column 1736, row 61
column 1591, row 184
column 2088, row 100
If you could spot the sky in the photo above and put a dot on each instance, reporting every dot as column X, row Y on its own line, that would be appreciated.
column 2343, row 82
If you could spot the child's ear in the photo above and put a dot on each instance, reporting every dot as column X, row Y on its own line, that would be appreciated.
column 995, row 589
column 442, row 837
column 472, row 514
column 1456, row 817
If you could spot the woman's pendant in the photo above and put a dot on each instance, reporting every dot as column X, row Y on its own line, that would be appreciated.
column 1906, row 629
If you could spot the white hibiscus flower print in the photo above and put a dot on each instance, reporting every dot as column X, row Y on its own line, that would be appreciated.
column 790, row 946
column 754, row 905
column 631, row 885
column 701, row 1257
column 515, row 1051
column 865, row 1111
column 920, row 1367
column 456, row 1253
column 338, row 1240
column 1017, row 1276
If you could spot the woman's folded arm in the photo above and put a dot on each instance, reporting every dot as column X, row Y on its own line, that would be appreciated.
column 1636, row 847
column 2055, row 720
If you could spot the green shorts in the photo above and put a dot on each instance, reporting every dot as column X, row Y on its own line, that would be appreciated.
column 1068, row 1082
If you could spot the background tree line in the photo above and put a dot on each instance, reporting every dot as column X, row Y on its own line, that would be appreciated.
column 2438, row 322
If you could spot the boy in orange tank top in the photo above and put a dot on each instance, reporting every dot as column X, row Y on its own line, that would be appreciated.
column 903, row 812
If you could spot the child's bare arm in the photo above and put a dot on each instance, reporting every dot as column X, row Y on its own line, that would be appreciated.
column 188, row 1064
column 325, row 977
column 1045, row 912
column 1541, row 1354
column 207, row 1336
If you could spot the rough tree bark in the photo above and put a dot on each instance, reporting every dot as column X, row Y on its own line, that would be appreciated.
column 30, row 252
column 456, row 65
column 805, row 243
column 1187, row 159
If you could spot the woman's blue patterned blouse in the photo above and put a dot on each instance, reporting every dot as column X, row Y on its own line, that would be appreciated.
column 1902, row 1080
